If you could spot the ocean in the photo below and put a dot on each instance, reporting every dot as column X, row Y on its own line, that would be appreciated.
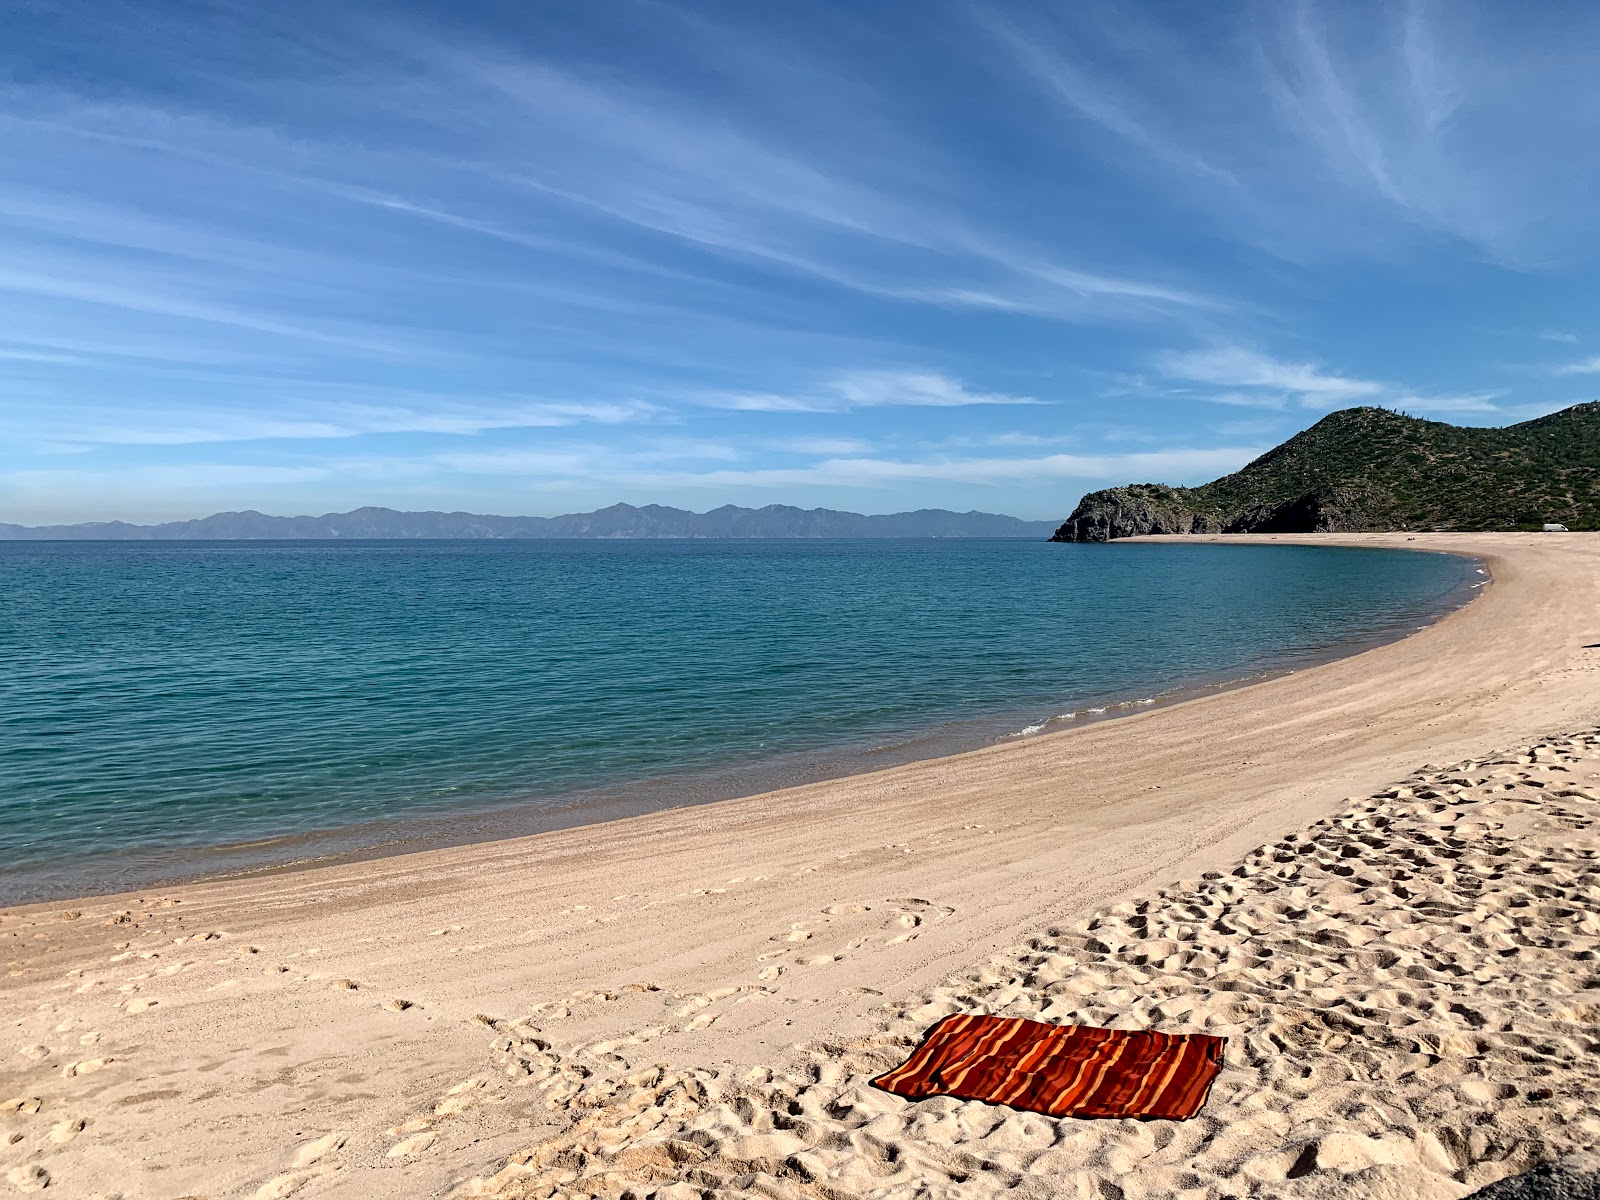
column 185, row 708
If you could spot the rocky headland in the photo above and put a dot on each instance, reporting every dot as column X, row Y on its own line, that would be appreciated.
column 1370, row 470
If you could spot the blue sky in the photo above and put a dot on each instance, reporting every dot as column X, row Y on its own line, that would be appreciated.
column 537, row 258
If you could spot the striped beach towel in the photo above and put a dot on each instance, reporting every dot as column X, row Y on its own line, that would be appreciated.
column 1061, row 1070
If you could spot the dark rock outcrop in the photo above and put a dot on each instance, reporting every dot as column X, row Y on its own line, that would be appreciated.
column 1134, row 510
column 1576, row 1178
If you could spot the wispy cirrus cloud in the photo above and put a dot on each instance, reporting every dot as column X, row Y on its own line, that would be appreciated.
column 889, row 225
column 1181, row 465
column 1312, row 128
column 370, row 238
column 187, row 477
column 868, row 389
column 818, row 445
column 1238, row 367
column 587, row 461
column 684, row 465
column 1251, row 379
column 296, row 420
column 1468, row 403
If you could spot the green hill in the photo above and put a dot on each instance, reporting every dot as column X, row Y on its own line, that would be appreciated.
column 1372, row 469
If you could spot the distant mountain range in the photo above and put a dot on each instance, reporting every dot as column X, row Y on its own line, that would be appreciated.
column 1372, row 469
column 618, row 521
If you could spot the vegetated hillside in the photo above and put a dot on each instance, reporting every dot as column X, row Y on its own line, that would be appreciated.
column 1372, row 469
column 618, row 521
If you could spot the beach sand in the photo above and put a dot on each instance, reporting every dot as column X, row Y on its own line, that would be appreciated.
column 1377, row 877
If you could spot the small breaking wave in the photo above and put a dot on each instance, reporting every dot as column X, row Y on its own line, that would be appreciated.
column 1074, row 714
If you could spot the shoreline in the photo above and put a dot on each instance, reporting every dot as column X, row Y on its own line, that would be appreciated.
column 338, row 1026
column 691, row 788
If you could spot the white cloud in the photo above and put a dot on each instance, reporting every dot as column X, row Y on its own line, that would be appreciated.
column 924, row 388
column 187, row 476
column 587, row 460
column 37, row 356
column 1257, row 380
column 1246, row 399
column 421, row 414
column 819, row 445
column 1317, row 129
column 95, row 282
column 1587, row 366
column 1238, row 368
column 1164, row 465
column 1094, row 97
column 1481, row 402
column 867, row 389
column 999, row 438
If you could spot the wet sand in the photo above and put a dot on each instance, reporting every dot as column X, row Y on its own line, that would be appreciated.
column 691, row 1001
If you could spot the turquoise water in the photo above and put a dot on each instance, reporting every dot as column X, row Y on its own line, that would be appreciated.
column 159, row 701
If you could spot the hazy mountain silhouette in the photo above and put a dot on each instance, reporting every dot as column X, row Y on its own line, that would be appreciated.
column 618, row 521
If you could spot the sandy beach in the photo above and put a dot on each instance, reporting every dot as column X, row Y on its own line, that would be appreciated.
column 1377, row 878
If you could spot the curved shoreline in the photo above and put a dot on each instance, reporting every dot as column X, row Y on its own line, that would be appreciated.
column 730, row 933
column 142, row 868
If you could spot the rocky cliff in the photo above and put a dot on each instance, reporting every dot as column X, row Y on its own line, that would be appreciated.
column 1372, row 469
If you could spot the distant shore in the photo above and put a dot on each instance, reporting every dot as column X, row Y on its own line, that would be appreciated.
column 624, row 521
column 403, row 1025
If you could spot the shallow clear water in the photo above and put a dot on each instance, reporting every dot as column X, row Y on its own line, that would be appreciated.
column 160, row 699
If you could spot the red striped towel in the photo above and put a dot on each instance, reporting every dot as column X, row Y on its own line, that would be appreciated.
column 1061, row 1070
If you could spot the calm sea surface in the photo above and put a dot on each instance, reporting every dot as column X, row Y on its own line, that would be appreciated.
column 178, row 708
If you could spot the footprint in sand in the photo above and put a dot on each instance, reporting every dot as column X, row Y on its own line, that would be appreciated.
column 697, row 1002
column 461, row 1097
column 314, row 1152
column 287, row 1184
column 412, row 1146
column 28, row 1179
column 1343, row 998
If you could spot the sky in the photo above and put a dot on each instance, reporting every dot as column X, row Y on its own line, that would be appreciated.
column 539, row 258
